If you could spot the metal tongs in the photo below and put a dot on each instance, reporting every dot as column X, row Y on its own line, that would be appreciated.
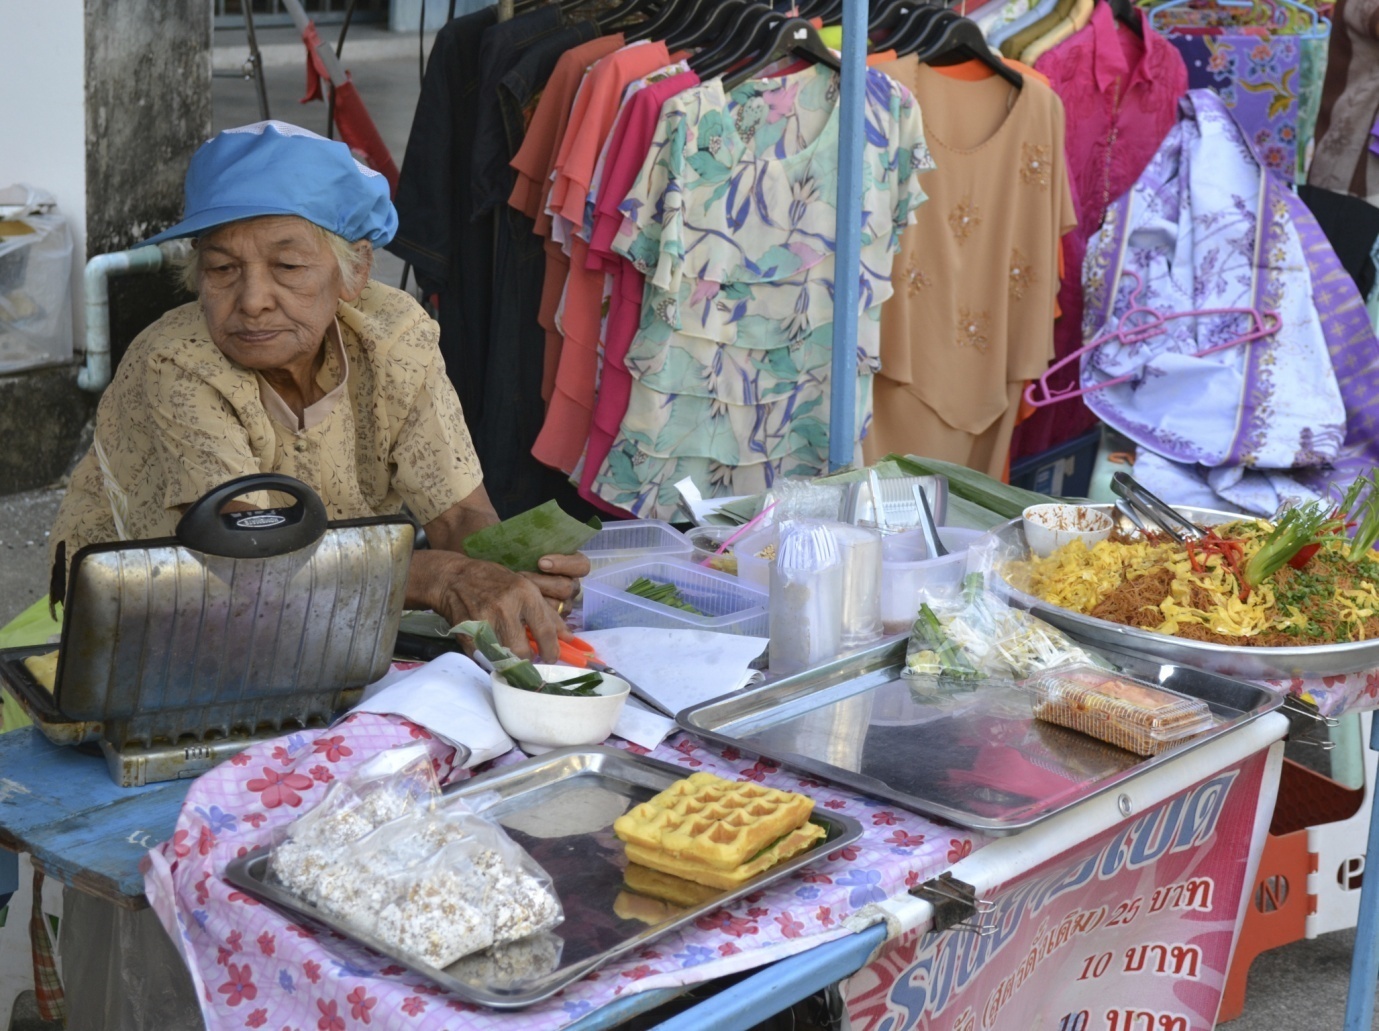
column 1136, row 502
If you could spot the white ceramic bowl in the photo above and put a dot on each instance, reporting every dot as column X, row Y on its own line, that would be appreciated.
column 551, row 721
column 1049, row 527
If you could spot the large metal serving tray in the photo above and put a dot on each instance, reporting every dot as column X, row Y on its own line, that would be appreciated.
column 976, row 758
column 560, row 807
column 1311, row 660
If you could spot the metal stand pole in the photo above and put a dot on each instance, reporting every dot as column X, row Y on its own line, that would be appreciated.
column 842, row 423
column 1364, row 963
column 257, row 60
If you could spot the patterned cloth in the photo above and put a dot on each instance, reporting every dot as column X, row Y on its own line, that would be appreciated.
column 180, row 418
column 1123, row 92
column 1350, row 104
column 1205, row 228
column 1267, row 62
column 1336, row 695
column 252, row 967
column 733, row 223
column 1258, row 78
column 52, row 1002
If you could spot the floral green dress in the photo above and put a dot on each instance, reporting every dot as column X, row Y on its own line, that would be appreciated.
column 733, row 222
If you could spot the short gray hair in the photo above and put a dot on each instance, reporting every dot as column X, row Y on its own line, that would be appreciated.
column 353, row 261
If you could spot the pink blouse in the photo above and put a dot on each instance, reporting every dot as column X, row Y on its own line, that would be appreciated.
column 1121, row 94
column 631, row 142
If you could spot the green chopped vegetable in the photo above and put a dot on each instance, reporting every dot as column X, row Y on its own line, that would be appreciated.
column 1364, row 514
column 521, row 673
column 1295, row 530
column 520, row 542
column 661, row 593
column 951, row 659
column 582, row 686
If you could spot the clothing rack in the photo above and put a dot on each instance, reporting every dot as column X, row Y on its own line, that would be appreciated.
column 847, row 275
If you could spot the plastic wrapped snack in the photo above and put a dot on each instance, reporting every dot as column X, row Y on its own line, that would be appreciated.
column 429, row 880
column 1132, row 714
column 979, row 636
column 513, row 965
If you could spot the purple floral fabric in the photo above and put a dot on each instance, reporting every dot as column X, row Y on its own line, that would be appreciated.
column 1206, row 228
column 1258, row 79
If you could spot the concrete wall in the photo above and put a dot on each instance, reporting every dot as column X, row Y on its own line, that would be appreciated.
column 148, row 107
column 102, row 103
column 42, row 119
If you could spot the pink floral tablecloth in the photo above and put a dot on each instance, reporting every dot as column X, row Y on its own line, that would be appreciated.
column 1338, row 695
column 255, row 968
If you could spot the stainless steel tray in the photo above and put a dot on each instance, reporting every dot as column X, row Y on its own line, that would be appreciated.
column 976, row 758
column 1314, row 660
column 560, row 807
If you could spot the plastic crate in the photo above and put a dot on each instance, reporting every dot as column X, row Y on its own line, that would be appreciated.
column 730, row 606
column 1064, row 471
column 635, row 539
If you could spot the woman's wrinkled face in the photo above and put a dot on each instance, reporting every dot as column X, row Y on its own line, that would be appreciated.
column 269, row 288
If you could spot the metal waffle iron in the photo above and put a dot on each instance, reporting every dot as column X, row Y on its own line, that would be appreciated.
column 177, row 653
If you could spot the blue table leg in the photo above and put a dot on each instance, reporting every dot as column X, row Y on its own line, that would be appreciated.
column 779, row 986
column 1364, row 964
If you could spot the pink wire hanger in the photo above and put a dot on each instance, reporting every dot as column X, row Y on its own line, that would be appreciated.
column 1040, row 394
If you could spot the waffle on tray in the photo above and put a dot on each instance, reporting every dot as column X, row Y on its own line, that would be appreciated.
column 717, row 832
column 719, row 823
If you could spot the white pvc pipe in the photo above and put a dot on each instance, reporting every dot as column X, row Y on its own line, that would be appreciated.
column 95, row 374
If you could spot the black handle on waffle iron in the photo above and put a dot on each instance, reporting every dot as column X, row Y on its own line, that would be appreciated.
column 257, row 534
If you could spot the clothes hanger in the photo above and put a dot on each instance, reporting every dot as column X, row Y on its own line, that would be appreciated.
column 1126, row 13
column 693, row 16
column 656, row 26
column 712, row 29
column 608, row 21
column 911, row 30
column 793, row 37
column 960, row 38
column 832, row 13
column 1039, row 394
column 886, row 18
column 737, row 41
column 1316, row 29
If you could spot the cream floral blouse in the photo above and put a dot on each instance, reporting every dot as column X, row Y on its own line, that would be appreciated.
column 180, row 418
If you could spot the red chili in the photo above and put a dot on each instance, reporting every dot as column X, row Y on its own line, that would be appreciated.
column 1304, row 555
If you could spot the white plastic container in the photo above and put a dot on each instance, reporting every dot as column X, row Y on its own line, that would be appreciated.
column 550, row 721
column 806, row 598
column 729, row 606
column 907, row 570
column 635, row 538
column 859, row 547
column 751, row 568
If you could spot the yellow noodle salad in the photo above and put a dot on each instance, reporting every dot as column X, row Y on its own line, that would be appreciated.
column 1158, row 584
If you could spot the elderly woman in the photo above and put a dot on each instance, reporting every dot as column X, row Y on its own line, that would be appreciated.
column 293, row 361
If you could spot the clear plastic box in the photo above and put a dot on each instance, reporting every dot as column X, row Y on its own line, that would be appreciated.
column 751, row 567
column 635, row 539
column 907, row 570
column 1130, row 713
column 730, row 606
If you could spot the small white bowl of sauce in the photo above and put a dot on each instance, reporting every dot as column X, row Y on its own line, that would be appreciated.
column 1049, row 527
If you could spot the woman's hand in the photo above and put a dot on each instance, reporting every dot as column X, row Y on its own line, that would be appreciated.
column 461, row 588
column 558, row 580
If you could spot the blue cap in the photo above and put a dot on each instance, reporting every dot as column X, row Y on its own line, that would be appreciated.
column 272, row 168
